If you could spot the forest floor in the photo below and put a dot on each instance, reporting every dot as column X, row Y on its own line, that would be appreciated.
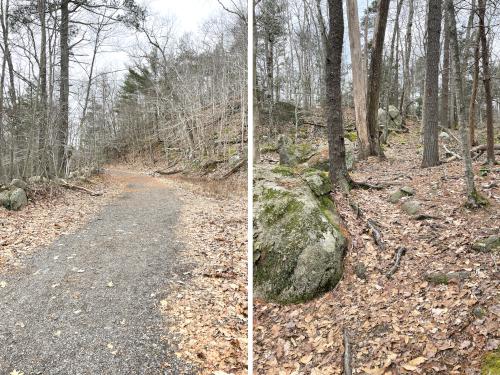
column 404, row 324
column 89, row 284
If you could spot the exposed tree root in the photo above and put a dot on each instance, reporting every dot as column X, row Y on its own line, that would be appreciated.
column 376, row 233
column 401, row 251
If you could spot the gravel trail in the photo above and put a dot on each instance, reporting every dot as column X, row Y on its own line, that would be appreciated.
column 88, row 303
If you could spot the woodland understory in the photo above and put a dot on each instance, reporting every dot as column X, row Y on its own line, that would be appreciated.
column 437, row 314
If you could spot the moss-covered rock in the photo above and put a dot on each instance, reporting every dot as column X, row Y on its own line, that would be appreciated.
column 293, row 153
column 486, row 245
column 399, row 193
column 318, row 181
column 491, row 363
column 298, row 247
column 411, row 207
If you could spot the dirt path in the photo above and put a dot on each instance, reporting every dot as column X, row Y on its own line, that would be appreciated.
column 404, row 324
column 88, row 303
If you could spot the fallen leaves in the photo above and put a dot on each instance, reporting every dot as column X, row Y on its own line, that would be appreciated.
column 406, row 324
column 207, row 306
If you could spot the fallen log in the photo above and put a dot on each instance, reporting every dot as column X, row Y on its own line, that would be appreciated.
column 401, row 251
column 235, row 169
column 347, row 354
column 483, row 148
column 172, row 171
column 64, row 184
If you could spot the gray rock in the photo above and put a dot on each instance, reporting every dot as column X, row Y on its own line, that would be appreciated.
column 360, row 270
column 16, row 182
column 397, row 194
column 291, row 153
column 298, row 247
column 319, row 182
column 18, row 199
column 395, row 117
column 411, row 207
column 5, row 198
column 486, row 245
column 320, row 158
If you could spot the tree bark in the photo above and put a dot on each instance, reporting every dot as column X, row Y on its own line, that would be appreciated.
column 490, row 152
column 42, row 132
column 375, row 78
column 473, row 198
column 336, row 147
column 62, row 133
column 445, row 77
column 406, row 78
column 256, row 106
column 358, row 78
column 431, row 98
column 473, row 97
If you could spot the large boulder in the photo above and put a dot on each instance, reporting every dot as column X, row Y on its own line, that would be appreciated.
column 320, row 158
column 13, row 199
column 392, row 117
column 293, row 153
column 298, row 246
column 18, row 199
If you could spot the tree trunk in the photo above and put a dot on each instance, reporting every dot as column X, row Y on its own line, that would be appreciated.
column 62, row 133
column 407, row 78
column 431, row 98
column 358, row 78
column 256, row 106
column 445, row 78
column 338, row 169
column 473, row 97
column 375, row 78
column 490, row 152
column 473, row 198
column 42, row 132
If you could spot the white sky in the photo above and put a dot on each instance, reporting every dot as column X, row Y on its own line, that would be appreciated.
column 189, row 14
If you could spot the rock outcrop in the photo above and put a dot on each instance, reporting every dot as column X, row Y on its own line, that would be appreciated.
column 298, row 245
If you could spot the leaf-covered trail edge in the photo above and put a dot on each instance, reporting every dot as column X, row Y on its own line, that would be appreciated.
column 404, row 324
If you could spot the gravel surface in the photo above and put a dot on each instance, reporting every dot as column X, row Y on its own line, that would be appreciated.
column 88, row 304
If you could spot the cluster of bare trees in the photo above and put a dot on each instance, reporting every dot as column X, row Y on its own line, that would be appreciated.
column 426, row 58
column 62, row 107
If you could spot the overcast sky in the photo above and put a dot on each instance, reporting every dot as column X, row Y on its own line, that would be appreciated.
column 189, row 14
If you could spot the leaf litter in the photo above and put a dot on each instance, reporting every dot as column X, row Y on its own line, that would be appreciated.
column 404, row 324
column 208, row 312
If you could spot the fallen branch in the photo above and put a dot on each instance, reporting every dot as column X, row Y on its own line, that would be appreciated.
column 64, row 184
column 401, row 251
column 446, row 130
column 347, row 354
column 235, row 169
column 376, row 233
column 367, row 185
column 454, row 154
column 172, row 171
column 304, row 122
column 483, row 148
